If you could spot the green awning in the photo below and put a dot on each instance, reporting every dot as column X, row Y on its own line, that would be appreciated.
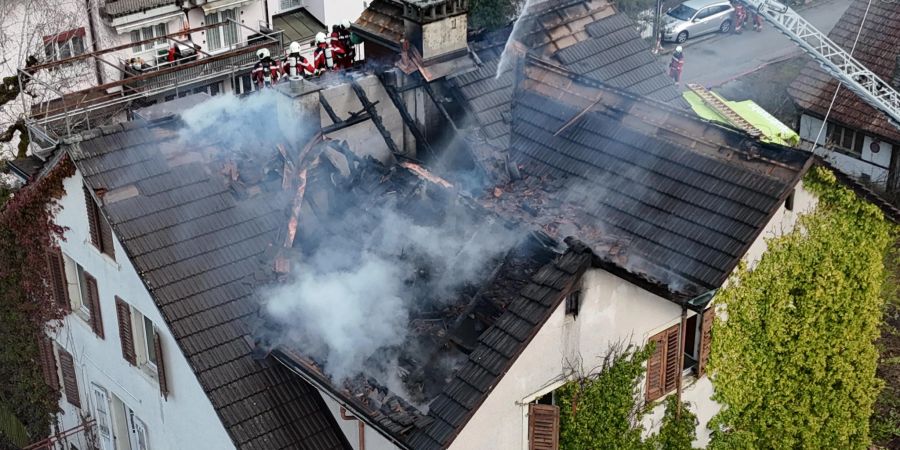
column 773, row 130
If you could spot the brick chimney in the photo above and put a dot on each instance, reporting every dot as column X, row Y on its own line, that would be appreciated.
column 437, row 28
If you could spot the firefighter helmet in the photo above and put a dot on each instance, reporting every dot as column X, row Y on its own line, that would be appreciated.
column 346, row 24
column 320, row 38
column 678, row 49
column 294, row 47
column 262, row 53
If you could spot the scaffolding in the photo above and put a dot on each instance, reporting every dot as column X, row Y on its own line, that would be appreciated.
column 66, row 113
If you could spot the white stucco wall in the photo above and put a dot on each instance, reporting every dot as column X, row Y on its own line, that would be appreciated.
column 373, row 440
column 875, row 166
column 330, row 12
column 444, row 36
column 187, row 418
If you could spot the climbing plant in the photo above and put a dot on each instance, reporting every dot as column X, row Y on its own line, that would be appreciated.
column 27, row 230
column 492, row 14
column 794, row 362
column 600, row 410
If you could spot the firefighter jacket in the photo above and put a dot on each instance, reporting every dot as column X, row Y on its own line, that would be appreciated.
column 296, row 65
column 266, row 72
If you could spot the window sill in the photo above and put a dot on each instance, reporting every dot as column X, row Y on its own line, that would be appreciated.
column 149, row 372
column 109, row 260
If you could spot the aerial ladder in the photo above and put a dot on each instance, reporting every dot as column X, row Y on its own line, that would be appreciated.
column 835, row 60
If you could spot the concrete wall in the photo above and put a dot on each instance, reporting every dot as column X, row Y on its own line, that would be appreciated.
column 875, row 166
column 443, row 37
column 187, row 418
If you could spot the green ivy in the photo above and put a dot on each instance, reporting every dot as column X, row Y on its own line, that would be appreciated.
column 599, row 411
column 492, row 14
column 794, row 363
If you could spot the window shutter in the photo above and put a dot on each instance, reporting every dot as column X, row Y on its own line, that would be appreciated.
column 705, row 333
column 57, row 273
column 94, row 305
column 543, row 427
column 161, row 367
column 124, row 314
column 655, row 367
column 93, row 217
column 70, row 383
column 106, row 237
column 48, row 362
column 672, row 371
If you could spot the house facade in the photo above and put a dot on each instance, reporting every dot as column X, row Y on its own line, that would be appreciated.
column 856, row 138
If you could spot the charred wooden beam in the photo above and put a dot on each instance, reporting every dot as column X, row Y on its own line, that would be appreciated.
column 406, row 116
column 329, row 110
column 373, row 113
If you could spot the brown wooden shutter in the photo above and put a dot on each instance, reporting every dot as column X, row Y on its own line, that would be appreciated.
column 123, row 311
column 673, row 347
column 543, row 427
column 57, row 272
column 106, row 237
column 70, row 383
column 161, row 367
column 705, row 334
column 48, row 362
column 655, row 365
column 93, row 216
column 93, row 301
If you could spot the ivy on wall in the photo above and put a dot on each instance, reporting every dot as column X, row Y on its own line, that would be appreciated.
column 600, row 410
column 27, row 229
column 794, row 363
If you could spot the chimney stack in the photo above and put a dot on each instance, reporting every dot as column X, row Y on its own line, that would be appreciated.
column 437, row 28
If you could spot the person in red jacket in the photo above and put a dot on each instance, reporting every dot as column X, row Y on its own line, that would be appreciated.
column 296, row 65
column 757, row 21
column 676, row 65
column 341, row 37
column 740, row 16
column 266, row 71
column 327, row 54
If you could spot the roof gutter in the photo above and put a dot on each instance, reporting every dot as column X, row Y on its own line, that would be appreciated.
column 295, row 367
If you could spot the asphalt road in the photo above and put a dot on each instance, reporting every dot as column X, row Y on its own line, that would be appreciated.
column 711, row 61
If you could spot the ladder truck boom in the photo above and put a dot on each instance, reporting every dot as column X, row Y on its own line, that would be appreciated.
column 835, row 60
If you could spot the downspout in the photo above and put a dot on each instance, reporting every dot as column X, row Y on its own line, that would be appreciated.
column 680, row 378
column 361, row 428
column 92, row 28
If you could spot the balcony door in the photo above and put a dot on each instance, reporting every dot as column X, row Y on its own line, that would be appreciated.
column 104, row 423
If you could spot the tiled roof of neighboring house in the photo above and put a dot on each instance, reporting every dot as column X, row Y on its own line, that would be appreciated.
column 878, row 49
column 298, row 25
column 383, row 21
column 499, row 346
column 197, row 247
column 665, row 195
column 585, row 36
column 124, row 7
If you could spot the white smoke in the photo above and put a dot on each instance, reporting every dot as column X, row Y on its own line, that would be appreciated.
column 511, row 49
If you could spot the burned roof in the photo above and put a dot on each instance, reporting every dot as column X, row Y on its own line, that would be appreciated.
column 673, row 199
column 117, row 8
column 197, row 245
column 877, row 49
column 382, row 20
column 586, row 37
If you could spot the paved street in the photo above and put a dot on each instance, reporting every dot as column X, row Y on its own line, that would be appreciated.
column 712, row 61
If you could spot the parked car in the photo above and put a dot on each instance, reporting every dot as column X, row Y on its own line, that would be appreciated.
column 697, row 17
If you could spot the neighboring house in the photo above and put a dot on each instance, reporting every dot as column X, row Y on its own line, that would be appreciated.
column 857, row 139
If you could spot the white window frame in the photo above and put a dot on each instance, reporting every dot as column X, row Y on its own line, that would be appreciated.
column 77, row 287
column 217, row 38
column 57, row 47
column 143, row 342
column 136, row 430
column 101, row 403
column 149, row 32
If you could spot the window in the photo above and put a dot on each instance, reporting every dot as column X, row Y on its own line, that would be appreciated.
column 140, row 439
column 141, row 343
column 222, row 36
column 100, row 231
column 70, row 380
column 149, row 33
column 288, row 4
column 84, row 297
column 845, row 140
column 573, row 302
column 64, row 45
column 102, row 415
column 543, row 427
column 789, row 201
column 663, row 371
column 48, row 362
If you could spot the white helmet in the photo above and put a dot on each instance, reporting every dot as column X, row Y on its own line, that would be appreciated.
column 678, row 49
column 262, row 53
column 320, row 38
column 346, row 24
column 294, row 47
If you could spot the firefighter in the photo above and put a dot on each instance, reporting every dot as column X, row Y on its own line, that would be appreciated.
column 343, row 37
column 757, row 21
column 740, row 16
column 326, row 54
column 296, row 65
column 676, row 65
column 266, row 71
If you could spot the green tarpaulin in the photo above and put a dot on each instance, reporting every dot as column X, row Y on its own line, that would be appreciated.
column 773, row 130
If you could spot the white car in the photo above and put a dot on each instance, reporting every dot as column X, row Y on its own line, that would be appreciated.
column 697, row 17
